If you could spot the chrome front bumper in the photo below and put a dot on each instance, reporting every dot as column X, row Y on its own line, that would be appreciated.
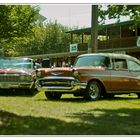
column 15, row 85
column 59, row 84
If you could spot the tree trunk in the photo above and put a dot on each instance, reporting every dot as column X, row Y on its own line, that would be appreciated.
column 94, row 30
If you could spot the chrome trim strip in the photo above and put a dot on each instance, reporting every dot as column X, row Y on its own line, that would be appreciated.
column 57, row 77
column 114, row 76
column 121, row 92
column 8, row 85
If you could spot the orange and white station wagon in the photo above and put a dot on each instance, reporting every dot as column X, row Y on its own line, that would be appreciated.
column 92, row 76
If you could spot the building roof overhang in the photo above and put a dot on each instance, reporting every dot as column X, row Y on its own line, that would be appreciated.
column 87, row 31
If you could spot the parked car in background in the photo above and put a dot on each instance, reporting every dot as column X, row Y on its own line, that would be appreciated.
column 46, row 63
column 17, row 74
column 93, row 76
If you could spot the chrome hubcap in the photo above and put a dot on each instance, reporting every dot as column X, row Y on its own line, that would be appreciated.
column 94, row 90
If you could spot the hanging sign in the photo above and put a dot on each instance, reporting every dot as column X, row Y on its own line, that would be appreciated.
column 73, row 47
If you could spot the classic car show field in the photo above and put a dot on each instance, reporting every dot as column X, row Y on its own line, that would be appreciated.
column 21, row 115
column 67, row 79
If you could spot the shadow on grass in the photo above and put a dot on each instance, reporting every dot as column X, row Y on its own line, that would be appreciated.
column 17, row 92
column 82, row 100
column 68, row 100
column 92, row 122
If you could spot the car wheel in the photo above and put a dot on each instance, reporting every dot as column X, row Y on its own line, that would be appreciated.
column 53, row 95
column 93, row 91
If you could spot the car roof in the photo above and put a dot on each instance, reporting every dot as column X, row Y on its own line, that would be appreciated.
column 111, row 55
column 16, row 58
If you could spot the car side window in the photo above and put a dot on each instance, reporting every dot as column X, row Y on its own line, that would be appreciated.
column 133, row 66
column 119, row 64
column 106, row 63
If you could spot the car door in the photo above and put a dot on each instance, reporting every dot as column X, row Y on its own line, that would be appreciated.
column 134, row 68
column 120, row 76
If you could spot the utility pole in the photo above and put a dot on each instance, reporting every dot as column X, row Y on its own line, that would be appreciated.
column 93, row 46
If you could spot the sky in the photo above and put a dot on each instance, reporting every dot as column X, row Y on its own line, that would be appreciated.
column 71, row 14
column 68, row 14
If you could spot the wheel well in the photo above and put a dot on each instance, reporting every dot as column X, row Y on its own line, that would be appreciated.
column 103, row 90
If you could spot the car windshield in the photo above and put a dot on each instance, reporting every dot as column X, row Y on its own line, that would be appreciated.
column 15, row 63
column 93, row 60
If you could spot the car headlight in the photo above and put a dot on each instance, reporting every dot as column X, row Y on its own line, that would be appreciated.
column 38, row 73
column 76, row 73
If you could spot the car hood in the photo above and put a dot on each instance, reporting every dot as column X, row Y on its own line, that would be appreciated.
column 63, row 71
column 15, row 71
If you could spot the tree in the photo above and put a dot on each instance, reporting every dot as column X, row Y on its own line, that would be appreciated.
column 17, row 20
column 16, row 27
column 29, row 45
column 116, row 11
column 56, row 39
column 44, row 40
column 22, row 32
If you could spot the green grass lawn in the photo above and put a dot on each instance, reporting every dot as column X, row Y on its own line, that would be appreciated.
column 69, row 116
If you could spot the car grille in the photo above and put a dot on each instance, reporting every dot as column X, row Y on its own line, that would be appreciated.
column 57, row 83
column 9, row 78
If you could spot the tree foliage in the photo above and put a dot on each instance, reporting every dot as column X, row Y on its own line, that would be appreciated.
column 17, row 20
column 116, row 11
column 23, row 33
column 43, row 40
column 56, row 39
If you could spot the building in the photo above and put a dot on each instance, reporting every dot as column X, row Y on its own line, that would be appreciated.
column 120, row 37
